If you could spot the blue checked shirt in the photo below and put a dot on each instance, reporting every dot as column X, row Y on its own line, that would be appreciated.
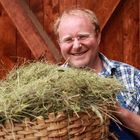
column 129, row 77
column 130, row 97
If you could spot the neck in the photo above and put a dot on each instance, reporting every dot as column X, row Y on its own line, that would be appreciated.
column 97, row 65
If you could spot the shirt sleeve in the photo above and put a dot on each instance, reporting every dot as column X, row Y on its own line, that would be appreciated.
column 137, row 88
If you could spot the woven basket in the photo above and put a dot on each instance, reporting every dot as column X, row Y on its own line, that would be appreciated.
column 59, row 127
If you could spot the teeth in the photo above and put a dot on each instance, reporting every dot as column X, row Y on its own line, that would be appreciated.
column 76, row 54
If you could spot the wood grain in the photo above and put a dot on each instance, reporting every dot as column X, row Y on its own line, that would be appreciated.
column 7, row 44
column 29, row 28
column 25, row 39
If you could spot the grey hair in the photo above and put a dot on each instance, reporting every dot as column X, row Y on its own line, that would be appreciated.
column 78, row 12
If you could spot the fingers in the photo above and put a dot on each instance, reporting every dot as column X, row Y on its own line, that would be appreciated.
column 129, row 119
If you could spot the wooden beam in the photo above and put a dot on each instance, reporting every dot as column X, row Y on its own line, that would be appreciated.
column 104, row 10
column 31, row 30
column 6, row 65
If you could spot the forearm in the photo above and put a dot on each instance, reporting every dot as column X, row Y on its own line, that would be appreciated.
column 130, row 120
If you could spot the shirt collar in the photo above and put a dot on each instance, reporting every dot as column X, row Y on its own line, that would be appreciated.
column 108, row 66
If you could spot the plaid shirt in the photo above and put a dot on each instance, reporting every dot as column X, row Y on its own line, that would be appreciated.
column 130, row 97
column 129, row 77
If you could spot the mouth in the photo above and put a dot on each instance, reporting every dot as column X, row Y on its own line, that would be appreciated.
column 78, row 53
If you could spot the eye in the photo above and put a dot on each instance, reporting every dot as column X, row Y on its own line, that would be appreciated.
column 83, row 37
column 67, row 40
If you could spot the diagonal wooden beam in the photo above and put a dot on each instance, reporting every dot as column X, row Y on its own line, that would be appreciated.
column 31, row 30
column 104, row 10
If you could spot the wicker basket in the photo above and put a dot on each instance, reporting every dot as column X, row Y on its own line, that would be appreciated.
column 60, row 127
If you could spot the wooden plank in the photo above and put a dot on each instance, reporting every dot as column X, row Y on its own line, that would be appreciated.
column 120, row 37
column 102, row 8
column 7, row 43
column 30, row 29
column 6, row 64
column 65, row 4
column 131, row 46
column 89, row 4
column 37, row 8
column 23, row 52
column 112, row 37
column 51, row 12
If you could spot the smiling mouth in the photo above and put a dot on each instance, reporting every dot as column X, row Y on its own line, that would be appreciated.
column 79, row 53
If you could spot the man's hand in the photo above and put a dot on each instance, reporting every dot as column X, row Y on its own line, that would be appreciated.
column 129, row 119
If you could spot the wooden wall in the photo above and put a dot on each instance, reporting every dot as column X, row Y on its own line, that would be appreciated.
column 119, row 21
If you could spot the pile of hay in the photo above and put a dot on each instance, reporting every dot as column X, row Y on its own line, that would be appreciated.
column 38, row 89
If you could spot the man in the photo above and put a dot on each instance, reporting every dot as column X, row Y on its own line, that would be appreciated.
column 78, row 33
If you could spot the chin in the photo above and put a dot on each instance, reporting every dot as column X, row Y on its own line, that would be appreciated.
column 78, row 65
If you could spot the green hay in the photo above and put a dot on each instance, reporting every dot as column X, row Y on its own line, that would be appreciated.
column 38, row 89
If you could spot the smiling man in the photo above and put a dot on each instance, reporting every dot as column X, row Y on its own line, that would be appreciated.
column 79, row 40
column 78, row 33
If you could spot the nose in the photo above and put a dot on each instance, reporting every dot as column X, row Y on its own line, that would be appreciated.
column 76, row 43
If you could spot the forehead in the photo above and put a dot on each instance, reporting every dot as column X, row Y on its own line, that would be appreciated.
column 74, row 23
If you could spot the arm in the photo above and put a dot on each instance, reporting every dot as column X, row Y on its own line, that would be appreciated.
column 129, row 119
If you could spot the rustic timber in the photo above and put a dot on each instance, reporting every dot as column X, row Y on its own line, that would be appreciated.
column 103, row 9
column 51, row 12
column 131, row 32
column 119, row 21
column 120, row 37
column 7, row 43
column 30, row 29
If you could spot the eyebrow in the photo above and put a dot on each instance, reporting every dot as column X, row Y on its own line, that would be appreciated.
column 81, row 33
column 66, row 37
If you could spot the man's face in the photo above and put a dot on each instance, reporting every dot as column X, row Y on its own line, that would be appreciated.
column 78, row 41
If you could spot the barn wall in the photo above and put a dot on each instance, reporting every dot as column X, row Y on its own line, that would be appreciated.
column 120, row 37
column 119, row 21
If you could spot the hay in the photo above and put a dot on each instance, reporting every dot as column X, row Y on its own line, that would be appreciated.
column 38, row 89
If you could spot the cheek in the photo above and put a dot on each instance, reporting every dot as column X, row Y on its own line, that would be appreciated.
column 94, row 45
column 64, row 50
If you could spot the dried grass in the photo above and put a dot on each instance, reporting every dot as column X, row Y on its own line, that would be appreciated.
column 38, row 89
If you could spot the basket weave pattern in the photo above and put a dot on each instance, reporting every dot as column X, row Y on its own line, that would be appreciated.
column 59, row 127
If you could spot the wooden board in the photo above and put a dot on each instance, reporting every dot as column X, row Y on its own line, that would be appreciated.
column 119, row 22
column 7, row 44
column 29, row 28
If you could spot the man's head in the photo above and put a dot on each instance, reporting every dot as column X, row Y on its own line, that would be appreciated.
column 78, row 34
column 78, row 12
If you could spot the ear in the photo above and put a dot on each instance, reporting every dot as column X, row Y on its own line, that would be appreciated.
column 98, row 38
column 58, row 41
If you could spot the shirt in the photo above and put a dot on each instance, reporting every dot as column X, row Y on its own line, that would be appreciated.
column 130, row 97
column 129, row 76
